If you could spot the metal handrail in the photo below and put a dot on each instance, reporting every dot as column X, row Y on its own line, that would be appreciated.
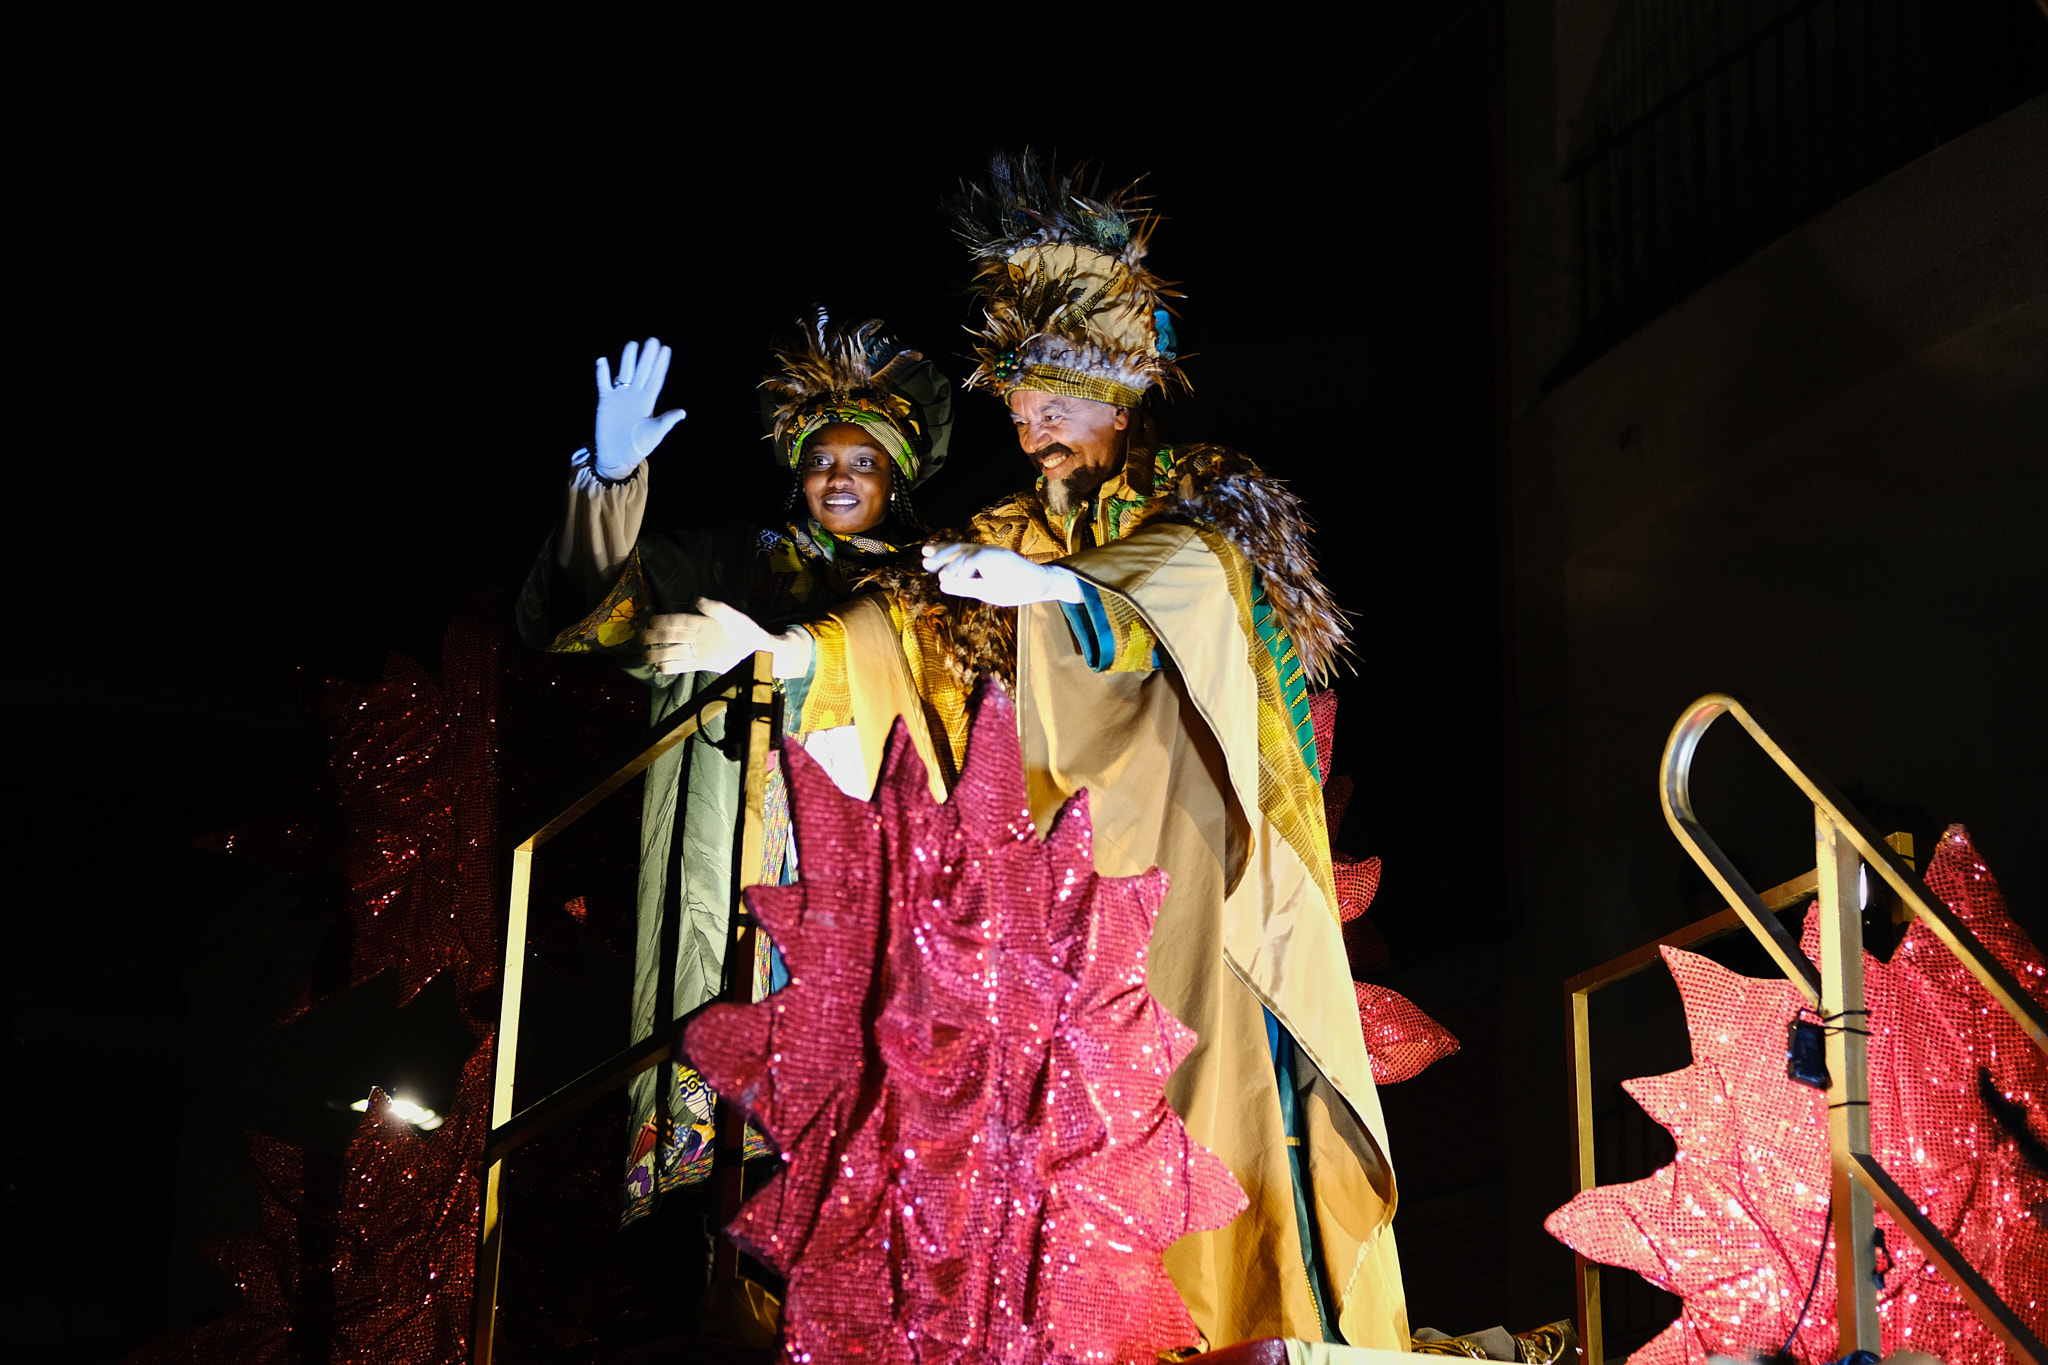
column 747, row 691
column 1829, row 804
column 1846, row 845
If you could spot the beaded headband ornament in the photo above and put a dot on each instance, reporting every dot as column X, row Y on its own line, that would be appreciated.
column 1070, row 306
column 830, row 373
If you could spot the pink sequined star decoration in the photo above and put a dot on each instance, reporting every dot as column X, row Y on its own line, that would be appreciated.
column 966, row 1078
column 1735, row 1225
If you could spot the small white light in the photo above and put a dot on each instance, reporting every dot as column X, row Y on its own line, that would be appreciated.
column 405, row 1111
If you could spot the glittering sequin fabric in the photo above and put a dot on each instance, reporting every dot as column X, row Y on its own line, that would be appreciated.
column 1736, row 1224
column 966, row 1079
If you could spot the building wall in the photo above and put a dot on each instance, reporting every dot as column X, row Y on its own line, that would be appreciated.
column 1817, row 482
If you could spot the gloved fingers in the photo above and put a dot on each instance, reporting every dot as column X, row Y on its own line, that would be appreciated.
column 671, row 658
column 937, row 557
column 989, row 560
column 659, row 374
column 683, row 642
column 958, row 582
column 604, row 376
column 644, row 368
column 648, row 431
column 628, row 359
column 735, row 624
column 673, row 628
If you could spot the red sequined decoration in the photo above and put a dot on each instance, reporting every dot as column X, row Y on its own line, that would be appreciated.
column 1736, row 1223
column 414, row 768
column 1401, row 1040
column 966, row 1077
column 370, row 1260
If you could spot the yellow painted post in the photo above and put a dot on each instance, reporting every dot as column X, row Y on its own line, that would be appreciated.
column 1841, row 1000
column 739, row 948
column 1591, row 1331
column 491, row 1239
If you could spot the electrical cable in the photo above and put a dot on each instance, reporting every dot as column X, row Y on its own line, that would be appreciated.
column 1827, row 1220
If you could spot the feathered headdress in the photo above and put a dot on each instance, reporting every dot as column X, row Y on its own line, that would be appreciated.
column 1060, row 266
column 826, row 373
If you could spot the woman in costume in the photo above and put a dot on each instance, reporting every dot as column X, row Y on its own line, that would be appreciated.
column 858, row 421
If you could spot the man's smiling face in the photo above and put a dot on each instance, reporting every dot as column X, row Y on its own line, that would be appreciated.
column 1076, row 443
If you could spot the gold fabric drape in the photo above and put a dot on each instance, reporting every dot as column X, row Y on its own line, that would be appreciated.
column 1173, row 763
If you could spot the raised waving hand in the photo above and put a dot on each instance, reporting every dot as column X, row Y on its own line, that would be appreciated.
column 628, row 428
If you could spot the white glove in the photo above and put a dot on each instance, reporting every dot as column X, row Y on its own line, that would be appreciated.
column 1001, row 577
column 627, row 430
column 717, row 640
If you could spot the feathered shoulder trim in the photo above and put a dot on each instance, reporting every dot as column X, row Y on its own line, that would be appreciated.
column 1211, row 486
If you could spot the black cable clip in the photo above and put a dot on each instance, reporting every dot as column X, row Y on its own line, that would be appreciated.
column 1806, row 1050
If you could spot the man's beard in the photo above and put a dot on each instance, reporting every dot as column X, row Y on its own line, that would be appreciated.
column 1068, row 490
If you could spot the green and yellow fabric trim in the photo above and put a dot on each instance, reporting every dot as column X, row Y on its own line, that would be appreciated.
column 1113, row 638
column 890, row 419
column 1289, row 793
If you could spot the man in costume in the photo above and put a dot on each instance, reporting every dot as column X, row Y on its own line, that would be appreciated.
column 1168, row 622
column 858, row 421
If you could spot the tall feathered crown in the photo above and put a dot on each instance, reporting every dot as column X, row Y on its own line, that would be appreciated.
column 826, row 373
column 1060, row 266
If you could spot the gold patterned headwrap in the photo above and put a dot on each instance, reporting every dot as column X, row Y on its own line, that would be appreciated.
column 1070, row 306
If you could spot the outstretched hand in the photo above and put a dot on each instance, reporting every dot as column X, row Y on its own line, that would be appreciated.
column 717, row 637
column 1000, row 577
column 627, row 429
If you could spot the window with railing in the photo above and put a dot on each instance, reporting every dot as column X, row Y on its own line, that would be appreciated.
column 1716, row 126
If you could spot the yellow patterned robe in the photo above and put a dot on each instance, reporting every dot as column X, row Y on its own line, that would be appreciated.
column 1192, row 765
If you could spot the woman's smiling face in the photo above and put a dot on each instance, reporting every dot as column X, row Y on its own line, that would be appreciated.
column 845, row 479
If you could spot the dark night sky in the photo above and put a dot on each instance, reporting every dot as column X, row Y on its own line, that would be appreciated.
column 285, row 281
column 309, row 312
column 305, row 312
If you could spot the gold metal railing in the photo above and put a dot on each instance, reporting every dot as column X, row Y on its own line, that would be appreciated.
column 744, row 696
column 1845, row 844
